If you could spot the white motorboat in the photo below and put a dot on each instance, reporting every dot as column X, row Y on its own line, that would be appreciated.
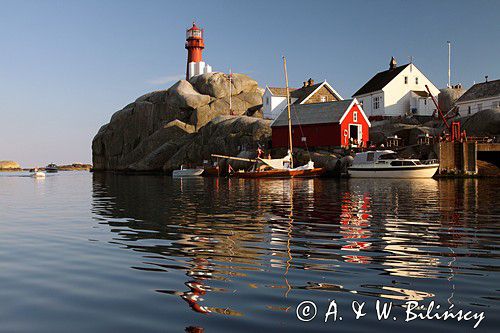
column 186, row 172
column 37, row 173
column 386, row 164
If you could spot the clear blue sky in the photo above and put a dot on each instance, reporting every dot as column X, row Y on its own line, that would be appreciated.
column 67, row 66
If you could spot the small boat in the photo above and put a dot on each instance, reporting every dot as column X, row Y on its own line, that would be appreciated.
column 51, row 168
column 186, row 172
column 37, row 173
column 386, row 164
column 279, row 168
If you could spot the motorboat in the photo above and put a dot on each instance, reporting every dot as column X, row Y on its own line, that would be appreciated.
column 386, row 164
column 51, row 168
column 37, row 173
column 187, row 172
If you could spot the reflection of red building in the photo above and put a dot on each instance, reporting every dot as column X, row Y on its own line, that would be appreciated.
column 331, row 124
column 354, row 224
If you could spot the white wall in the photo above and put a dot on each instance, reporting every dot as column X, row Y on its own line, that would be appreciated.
column 272, row 105
column 198, row 68
column 368, row 103
column 477, row 105
column 424, row 105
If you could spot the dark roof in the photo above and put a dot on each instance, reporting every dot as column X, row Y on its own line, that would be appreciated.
column 481, row 90
column 421, row 93
column 280, row 91
column 302, row 93
column 317, row 113
column 380, row 80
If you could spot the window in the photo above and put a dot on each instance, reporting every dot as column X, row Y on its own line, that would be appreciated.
column 267, row 100
column 408, row 163
column 376, row 102
column 468, row 109
column 396, row 163
column 479, row 106
column 425, row 101
column 323, row 98
column 416, row 80
column 406, row 79
column 355, row 116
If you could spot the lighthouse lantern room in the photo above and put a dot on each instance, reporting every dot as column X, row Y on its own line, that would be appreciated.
column 195, row 45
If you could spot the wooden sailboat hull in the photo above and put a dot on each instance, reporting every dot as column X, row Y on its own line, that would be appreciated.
column 312, row 173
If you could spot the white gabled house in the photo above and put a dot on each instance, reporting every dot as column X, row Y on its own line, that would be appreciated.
column 398, row 91
column 274, row 99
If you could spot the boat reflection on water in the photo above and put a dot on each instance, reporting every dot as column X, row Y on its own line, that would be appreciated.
column 247, row 245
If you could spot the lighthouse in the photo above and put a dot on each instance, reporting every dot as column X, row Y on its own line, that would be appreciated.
column 195, row 45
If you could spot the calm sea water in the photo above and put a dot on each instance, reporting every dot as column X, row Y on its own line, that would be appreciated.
column 83, row 252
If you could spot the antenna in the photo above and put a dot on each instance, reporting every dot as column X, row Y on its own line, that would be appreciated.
column 449, row 64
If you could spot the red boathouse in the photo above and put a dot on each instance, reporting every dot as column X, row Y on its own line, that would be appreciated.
column 325, row 125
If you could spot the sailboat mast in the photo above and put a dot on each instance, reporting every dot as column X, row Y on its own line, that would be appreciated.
column 230, row 91
column 289, row 116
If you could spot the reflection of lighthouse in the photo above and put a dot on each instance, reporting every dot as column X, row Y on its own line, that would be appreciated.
column 195, row 45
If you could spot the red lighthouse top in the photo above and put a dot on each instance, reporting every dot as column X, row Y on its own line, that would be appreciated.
column 194, row 32
column 194, row 44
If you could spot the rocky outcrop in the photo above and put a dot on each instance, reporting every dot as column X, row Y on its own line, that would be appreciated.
column 146, row 134
column 9, row 166
column 225, row 135
column 409, row 133
column 483, row 123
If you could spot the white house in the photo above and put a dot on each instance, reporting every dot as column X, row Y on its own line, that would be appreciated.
column 481, row 96
column 274, row 99
column 398, row 91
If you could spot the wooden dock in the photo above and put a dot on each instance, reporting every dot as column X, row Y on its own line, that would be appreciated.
column 460, row 158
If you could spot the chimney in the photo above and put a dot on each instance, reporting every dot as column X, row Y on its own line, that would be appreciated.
column 393, row 64
column 310, row 82
column 305, row 84
column 486, row 78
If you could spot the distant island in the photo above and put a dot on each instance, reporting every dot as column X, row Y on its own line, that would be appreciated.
column 9, row 166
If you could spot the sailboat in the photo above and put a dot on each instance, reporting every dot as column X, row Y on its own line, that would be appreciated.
column 277, row 167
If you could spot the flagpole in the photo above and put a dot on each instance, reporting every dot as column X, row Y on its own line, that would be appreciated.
column 289, row 117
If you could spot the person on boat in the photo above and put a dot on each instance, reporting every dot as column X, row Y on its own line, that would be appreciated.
column 260, row 152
